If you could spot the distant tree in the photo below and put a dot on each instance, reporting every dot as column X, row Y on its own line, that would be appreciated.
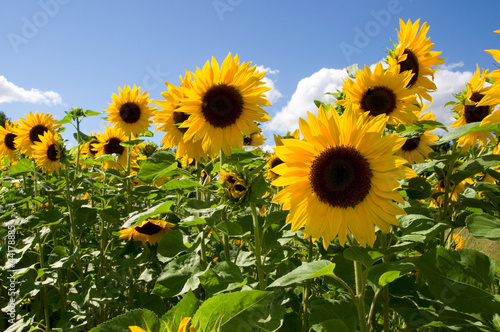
column 2, row 118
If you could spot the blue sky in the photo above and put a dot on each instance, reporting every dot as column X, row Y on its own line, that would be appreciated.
column 58, row 54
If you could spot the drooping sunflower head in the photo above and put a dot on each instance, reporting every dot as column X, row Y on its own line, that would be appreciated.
column 255, row 139
column 235, row 186
column 110, row 144
column 382, row 92
column 341, row 178
column 150, row 230
column 7, row 144
column 129, row 111
column 169, row 120
column 48, row 152
column 414, row 54
column 469, row 109
column 30, row 129
column 88, row 149
column 224, row 104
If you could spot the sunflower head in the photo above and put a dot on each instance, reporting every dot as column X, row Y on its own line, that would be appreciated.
column 235, row 186
column 110, row 144
column 413, row 54
column 341, row 178
column 255, row 139
column 224, row 103
column 129, row 111
column 272, row 162
column 382, row 92
column 31, row 129
column 150, row 231
column 7, row 141
column 48, row 153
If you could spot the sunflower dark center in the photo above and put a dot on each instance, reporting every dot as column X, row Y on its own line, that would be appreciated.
column 240, row 187
column 276, row 161
column 36, row 131
column 52, row 153
column 230, row 179
column 411, row 144
column 149, row 228
column 378, row 100
column 247, row 140
column 411, row 64
column 222, row 105
column 113, row 146
column 179, row 118
column 341, row 176
column 9, row 141
column 93, row 151
column 130, row 112
column 474, row 113
column 442, row 184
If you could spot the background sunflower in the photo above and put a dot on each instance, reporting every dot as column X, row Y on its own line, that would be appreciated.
column 30, row 129
column 47, row 153
column 109, row 143
column 7, row 145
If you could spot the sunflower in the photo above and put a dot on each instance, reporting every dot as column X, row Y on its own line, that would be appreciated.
column 382, row 92
column 169, row 119
column 7, row 145
column 278, row 138
column 129, row 111
column 88, row 149
column 224, row 104
column 48, row 152
column 109, row 143
column 150, row 230
column 342, row 177
column 255, row 139
column 469, row 111
column 492, row 95
column 235, row 187
column 182, row 326
column 30, row 129
column 272, row 162
column 413, row 54
column 455, row 190
column 416, row 149
column 458, row 241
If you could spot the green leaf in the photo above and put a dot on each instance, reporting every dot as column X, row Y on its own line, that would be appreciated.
column 180, row 184
column 57, row 253
column 467, row 129
column 91, row 113
column 131, row 143
column 153, row 211
column 381, row 274
column 353, row 70
column 366, row 256
column 225, row 275
column 230, row 228
column 331, row 325
column 171, row 244
column 307, row 270
column 418, row 188
column 179, row 276
column 461, row 279
column 67, row 119
column 62, row 260
column 159, row 164
column 85, row 216
column 185, row 308
column 419, row 228
column 143, row 318
column 323, row 310
column 484, row 226
column 239, row 311
column 23, row 166
column 474, row 166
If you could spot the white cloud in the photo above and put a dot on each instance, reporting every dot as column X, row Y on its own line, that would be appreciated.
column 9, row 92
column 448, row 82
column 274, row 94
column 302, row 101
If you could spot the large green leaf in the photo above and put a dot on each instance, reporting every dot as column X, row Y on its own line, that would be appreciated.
column 384, row 273
column 323, row 310
column 145, row 319
column 23, row 166
column 179, row 276
column 483, row 226
column 307, row 270
column 461, row 279
column 474, row 166
column 153, row 211
column 180, row 184
column 161, row 163
column 171, row 244
column 185, row 308
column 222, row 277
column 467, row 129
column 239, row 311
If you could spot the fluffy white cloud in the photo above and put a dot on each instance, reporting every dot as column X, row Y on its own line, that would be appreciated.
column 302, row 101
column 9, row 92
column 273, row 94
column 448, row 82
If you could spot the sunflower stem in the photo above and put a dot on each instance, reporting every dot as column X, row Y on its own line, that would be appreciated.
column 128, row 184
column 307, row 291
column 78, row 147
column 360, row 296
column 43, row 290
column 257, row 247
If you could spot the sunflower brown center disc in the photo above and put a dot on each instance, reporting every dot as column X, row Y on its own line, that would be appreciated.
column 130, row 112
column 474, row 113
column 149, row 228
column 37, row 131
column 378, row 100
column 222, row 105
column 179, row 118
column 340, row 176
column 114, row 146
column 411, row 144
column 411, row 64
column 52, row 153
column 9, row 141
column 92, row 150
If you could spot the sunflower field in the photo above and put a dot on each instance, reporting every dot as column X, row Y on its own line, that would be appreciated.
column 362, row 219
